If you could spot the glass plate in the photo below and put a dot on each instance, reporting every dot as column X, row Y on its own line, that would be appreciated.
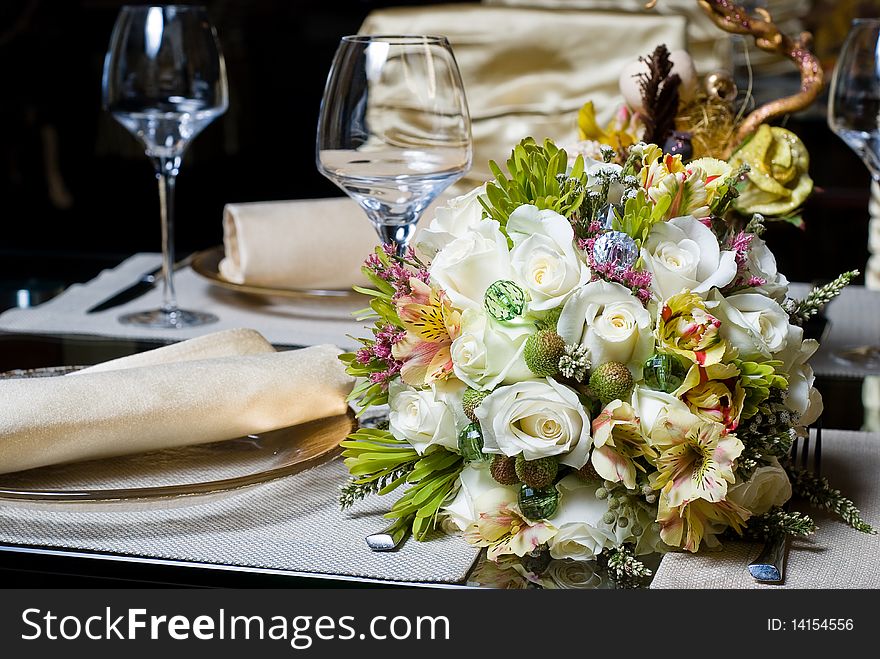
column 180, row 474
column 207, row 264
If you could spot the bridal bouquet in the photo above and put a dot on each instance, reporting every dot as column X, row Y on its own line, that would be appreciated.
column 594, row 355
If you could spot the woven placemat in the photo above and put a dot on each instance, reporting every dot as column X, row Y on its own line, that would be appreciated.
column 292, row 524
column 836, row 556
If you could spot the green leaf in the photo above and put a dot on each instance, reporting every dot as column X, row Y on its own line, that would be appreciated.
column 424, row 468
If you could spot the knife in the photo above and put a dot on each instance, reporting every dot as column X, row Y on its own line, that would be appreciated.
column 146, row 282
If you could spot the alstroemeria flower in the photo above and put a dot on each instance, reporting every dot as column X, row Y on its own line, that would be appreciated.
column 622, row 131
column 715, row 173
column 686, row 328
column 617, row 441
column 714, row 393
column 686, row 192
column 699, row 521
column 501, row 527
column 658, row 166
column 431, row 326
column 696, row 460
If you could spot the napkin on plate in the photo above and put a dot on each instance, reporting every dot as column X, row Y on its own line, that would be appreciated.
column 299, row 244
column 309, row 243
column 147, row 407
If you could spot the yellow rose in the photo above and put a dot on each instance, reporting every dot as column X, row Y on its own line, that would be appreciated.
column 778, row 182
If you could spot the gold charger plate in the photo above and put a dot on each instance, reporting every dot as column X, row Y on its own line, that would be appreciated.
column 179, row 475
column 207, row 264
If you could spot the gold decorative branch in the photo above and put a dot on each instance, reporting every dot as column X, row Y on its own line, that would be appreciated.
column 733, row 18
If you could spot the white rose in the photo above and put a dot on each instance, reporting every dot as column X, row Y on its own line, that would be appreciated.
column 487, row 353
column 475, row 481
column 769, row 486
column 424, row 417
column 460, row 215
column 544, row 257
column 815, row 404
column 762, row 263
column 607, row 318
column 467, row 266
column 538, row 418
column 753, row 323
column 566, row 574
column 581, row 534
column 802, row 398
column 684, row 254
column 650, row 404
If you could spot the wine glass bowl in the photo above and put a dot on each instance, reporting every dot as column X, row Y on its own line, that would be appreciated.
column 394, row 129
column 164, row 81
column 854, row 115
column 854, row 98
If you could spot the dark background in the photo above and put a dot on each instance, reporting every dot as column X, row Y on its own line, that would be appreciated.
column 77, row 193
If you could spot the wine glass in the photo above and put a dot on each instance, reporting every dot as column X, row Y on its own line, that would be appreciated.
column 165, row 80
column 854, row 115
column 394, row 129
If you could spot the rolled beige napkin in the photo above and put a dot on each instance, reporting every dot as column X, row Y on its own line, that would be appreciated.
column 318, row 244
column 299, row 244
column 225, row 343
column 47, row 421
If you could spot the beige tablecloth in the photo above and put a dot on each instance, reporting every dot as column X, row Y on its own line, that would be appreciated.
column 836, row 556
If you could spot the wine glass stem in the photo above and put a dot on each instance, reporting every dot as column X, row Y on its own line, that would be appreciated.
column 398, row 232
column 166, row 174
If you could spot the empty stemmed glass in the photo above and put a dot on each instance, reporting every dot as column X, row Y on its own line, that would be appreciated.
column 165, row 80
column 394, row 129
column 854, row 115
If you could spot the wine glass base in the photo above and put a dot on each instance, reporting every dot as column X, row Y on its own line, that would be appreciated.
column 165, row 319
column 867, row 357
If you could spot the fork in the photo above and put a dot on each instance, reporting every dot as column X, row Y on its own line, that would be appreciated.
column 769, row 566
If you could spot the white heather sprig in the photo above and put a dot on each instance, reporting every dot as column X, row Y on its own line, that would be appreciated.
column 624, row 568
column 574, row 363
column 805, row 309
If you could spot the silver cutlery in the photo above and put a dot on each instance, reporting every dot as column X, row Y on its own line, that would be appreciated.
column 144, row 284
column 769, row 566
column 389, row 538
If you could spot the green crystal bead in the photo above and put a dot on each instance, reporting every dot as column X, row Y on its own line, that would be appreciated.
column 504, row 300
column 664, row 372
column 538, row 504
column 470, row 444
